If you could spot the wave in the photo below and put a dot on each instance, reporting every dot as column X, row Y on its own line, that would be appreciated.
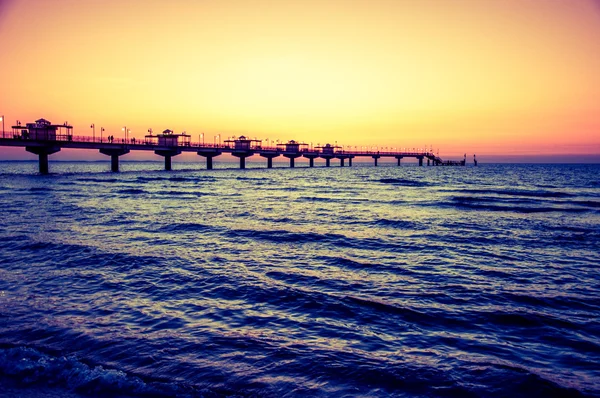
column 520, row 192
column 194, row 179
column 404, row 182
column 185, row 227
column 30, row 367
column 62, row 255
column 397, row 224
column 180, row 193
column 586, row 203
column 332, row 239
column 40, row 189
column 353, row 265
column 132, row 191
column 101, row 180
column 331, row 199
column 485, row 205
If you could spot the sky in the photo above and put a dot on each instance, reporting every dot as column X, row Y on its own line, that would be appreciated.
column 510, row 79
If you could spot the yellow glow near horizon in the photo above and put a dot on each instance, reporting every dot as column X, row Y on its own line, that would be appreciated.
column 479, row 76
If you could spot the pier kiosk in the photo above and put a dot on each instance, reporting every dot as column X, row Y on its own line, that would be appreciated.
column 242, row 148
column 168, row 144
column 328, row 152
column 342, row 156
column 42, row 137
column 292, row 150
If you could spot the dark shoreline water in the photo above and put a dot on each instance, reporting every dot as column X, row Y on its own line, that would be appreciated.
column 320, row 282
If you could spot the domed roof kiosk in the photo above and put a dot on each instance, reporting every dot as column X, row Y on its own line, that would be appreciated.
column 242, row 148
column 328, row 152
column 292, row 150
column 42, row 138
column 168, row 144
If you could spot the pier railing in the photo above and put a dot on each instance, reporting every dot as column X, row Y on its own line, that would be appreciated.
column 166, row 147
column 136, row 142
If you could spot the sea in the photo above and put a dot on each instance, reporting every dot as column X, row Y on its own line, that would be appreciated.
column 334, row 281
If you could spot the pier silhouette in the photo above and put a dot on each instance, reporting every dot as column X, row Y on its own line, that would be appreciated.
column 44, row 138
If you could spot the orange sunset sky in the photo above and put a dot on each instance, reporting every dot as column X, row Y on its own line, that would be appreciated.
column 491, row 77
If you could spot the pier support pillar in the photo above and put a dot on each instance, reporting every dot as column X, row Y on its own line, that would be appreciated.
column 43, row 163
column 168, row 154
column 114, row 154
column 242, row 155
column 43, row 152
column 209, row 155
column 376, row 158
column 269, row 157
column 350, row 161
column 114, row 163
column 342, row 159
column 327, row 162
column 420, row 160
column 311, row 159
column 292, row 157
column 399, row 158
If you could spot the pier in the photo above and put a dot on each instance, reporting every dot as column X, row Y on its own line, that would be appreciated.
column 44, row 138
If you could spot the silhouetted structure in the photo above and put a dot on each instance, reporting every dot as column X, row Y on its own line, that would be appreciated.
column 44, row 138
column 41, row 138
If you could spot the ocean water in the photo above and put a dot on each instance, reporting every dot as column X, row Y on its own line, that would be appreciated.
column 326, row 282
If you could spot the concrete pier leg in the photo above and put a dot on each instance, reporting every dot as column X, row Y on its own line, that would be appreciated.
column 269, row 163
column 114, row 154
column 43, row 153
column 327, row 162
column 375, row 159
column 292, row 162
column 399, row 161
column 311, row 162
column 420, row 161
column 43, row 159
column 428, row 164
column 114, row 163
column 349, row 162
column 209, row 155
column 242, row 162
column 341, row 162
column 167, row 154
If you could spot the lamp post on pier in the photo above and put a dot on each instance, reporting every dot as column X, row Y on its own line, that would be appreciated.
column 126, row 133
column 93, row 127
column 202, row 138
column 2, row 118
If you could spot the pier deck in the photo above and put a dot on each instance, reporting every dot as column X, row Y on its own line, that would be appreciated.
column 168, row 146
